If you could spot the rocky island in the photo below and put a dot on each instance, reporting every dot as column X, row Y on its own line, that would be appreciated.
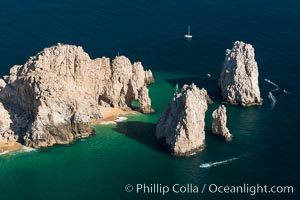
column 57, row 95
column 239, row 77
column 219, row 120
column 181, row 126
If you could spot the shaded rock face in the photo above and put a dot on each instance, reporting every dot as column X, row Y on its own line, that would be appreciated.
column 149, row 77
column 54, row 96
column 181, row 126
column 6, row 134
column 239, row 76
column 145, row 101
column 219, row 120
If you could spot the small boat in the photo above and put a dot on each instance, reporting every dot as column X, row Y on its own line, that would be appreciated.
column 188, row 35
column 205, row 165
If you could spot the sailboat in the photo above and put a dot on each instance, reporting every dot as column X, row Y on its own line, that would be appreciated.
column 176, row 89
column 188, row 35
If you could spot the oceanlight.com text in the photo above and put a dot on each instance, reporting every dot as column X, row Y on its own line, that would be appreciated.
column 157, row 188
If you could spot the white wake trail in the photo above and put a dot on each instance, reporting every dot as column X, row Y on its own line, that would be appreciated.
column 270, row 95
column 274, row 84
column 213, row 164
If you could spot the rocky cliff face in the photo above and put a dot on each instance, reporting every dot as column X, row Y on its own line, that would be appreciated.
column 219, row 123
column 181, row 126
column 145, row 101
column 54, row 96
column 6, row 134
column 239, row 76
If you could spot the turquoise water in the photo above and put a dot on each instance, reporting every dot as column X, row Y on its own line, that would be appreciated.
column 266, row 141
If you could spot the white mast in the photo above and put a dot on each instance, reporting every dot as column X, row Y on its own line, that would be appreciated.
column 188, row 35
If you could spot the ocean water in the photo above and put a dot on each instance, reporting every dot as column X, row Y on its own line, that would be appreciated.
column 266, row 139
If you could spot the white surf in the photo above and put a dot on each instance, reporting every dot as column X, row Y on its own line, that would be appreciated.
column 119, row 119
column 4, row 152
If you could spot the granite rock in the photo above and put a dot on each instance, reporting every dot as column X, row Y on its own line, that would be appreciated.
column 181, row 126
column 219, row 120
column 239, row 76
column 6, row 134
column 145, row 101
column 55, row 96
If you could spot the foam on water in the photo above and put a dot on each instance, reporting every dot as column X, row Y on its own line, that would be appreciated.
column 23, row 149
column 4, row 152
column 107, row 122
column 27, row 149
column 119, row 119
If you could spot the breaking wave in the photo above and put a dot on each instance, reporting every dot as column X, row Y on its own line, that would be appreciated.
column 27, row 149
column 4, row 152
column 24, row 149
column 107, row 122
column 119, row 119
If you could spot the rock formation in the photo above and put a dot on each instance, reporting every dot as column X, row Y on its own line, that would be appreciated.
column 181, row 126
column 149, row 77
column 145, row 101
column 219, row 120
column 239, row 76
column 6, row 134
column 55, row 96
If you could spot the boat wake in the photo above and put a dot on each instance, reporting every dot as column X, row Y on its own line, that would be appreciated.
column 270, row 95
column 274, row 84
column 214, row 164
column 272, row 99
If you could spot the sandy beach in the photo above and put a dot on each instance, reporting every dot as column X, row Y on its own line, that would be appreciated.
column 11, row 146
column 111, row 114
column 108, row 113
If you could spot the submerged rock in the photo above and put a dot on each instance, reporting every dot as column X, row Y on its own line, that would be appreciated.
column 181, row 126
column 219, row 120
column 239, row 76
column 56, row 94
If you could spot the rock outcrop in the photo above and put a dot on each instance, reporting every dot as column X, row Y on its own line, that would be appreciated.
column 55, row 96
column 6, row 134
column 219, row 120
column 149, row 77
column 181, row 126
column 145, row 101
column 239, row 76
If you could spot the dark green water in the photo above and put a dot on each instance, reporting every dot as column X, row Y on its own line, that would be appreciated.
column 266, row 141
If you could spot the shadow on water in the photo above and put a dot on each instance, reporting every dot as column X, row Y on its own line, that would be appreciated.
column 142, row 132
column 211, row 85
